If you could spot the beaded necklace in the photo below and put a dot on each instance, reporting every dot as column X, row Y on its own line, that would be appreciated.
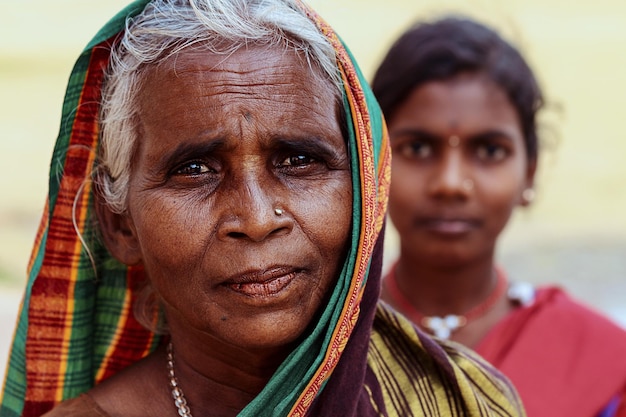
column 443, row 326
column 177, row 393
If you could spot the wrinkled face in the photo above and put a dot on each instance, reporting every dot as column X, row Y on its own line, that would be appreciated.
column 224, row 142
column 459, row 169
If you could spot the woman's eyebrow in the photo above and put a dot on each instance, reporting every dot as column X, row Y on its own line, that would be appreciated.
column 490, row 135
column 308, row 144
column 416, row 133
column 188, row 150
column 432, row 137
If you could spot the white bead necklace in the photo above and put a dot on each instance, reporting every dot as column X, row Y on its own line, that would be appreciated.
column 177, row 393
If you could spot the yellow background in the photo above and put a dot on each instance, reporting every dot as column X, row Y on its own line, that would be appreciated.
column 575, row 233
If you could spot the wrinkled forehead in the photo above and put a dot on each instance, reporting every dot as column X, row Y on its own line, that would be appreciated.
column 227, row 56
column 280, row 72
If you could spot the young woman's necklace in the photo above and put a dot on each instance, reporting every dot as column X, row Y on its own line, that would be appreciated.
column 444, row 326
column 179, row 398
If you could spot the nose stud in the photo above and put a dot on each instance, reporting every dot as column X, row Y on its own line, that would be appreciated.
column 278, row 211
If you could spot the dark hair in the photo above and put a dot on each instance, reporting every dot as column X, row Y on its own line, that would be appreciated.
column 445, row 48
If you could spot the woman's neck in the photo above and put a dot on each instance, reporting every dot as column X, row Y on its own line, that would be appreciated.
column 220, row 380
column 223, row 391
column 472, row 293
column 439, row 290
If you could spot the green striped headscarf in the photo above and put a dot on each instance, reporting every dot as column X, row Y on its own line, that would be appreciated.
column 76, row 326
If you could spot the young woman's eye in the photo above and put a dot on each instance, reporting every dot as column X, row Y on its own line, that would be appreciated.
column 192, row 169
column 416, row 149
column 296, row 161
column 491, row 152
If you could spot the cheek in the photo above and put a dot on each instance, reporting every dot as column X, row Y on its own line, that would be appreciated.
column 408, row 176
column 327, row 216
column 501, row 192
column 405, row 191
column 343, row 222
column 170, row 232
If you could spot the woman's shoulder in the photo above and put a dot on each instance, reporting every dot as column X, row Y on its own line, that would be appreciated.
column 576, row 354
column 81, row 406
column 411, row 367
column 139, row 390
column 564, row 311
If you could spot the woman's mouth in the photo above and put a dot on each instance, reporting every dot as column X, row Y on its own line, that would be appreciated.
column 450, row 227
column 262, row 283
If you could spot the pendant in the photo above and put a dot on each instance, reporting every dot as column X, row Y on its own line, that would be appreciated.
column 442, row 327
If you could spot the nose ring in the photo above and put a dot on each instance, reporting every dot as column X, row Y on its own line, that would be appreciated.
column 278, row 211
column 468, row 184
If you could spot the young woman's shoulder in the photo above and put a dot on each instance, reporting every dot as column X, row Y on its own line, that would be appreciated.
column 576, row 316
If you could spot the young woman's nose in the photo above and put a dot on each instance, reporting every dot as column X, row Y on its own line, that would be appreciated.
column 254, row 210
column 451, row 177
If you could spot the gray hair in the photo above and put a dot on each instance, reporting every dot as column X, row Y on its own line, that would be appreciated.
column 164, row 28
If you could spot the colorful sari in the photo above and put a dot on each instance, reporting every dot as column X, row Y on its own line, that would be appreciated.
column 76, row 326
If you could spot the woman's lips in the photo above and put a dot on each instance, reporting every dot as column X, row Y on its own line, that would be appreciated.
column 447, row 226
column 262, row 283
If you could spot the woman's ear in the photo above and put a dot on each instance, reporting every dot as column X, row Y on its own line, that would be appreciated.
column 118, row 233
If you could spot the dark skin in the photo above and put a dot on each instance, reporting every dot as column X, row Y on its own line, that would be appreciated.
column 459, row 169
column 223, row 143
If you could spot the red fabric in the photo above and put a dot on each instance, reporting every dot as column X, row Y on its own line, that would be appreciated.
column 621, row 410
column 565, row 359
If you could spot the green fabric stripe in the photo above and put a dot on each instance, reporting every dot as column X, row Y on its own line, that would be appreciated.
column 117, row 22
column 87, row 349
column 14, row 390
column 376, row 116
column 73, row 93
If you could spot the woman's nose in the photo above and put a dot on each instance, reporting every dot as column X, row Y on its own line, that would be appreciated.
column 255, row 211
column 451, row 178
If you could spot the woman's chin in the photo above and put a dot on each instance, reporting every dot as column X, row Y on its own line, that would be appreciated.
column 270, row 331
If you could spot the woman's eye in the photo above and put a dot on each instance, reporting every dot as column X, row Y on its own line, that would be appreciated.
column 491, row 152
column 192, row 169
column 296, row 160
column 416, row 149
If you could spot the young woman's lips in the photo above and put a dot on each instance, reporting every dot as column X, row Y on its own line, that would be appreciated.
column 448, row 226
column 262, row 283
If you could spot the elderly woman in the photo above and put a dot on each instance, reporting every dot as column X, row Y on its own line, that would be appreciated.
column 240, row 171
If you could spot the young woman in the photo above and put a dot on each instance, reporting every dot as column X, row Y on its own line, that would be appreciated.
column 461, row 106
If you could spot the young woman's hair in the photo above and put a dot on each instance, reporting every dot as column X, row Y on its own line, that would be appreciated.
column 445, row 48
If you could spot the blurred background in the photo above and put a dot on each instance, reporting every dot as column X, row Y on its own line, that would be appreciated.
column 575, row 232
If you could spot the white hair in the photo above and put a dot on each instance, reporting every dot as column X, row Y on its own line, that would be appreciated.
column 164, row 28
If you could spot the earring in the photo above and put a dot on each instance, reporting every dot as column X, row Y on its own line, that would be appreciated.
column 279, row 212
column 528, row 195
